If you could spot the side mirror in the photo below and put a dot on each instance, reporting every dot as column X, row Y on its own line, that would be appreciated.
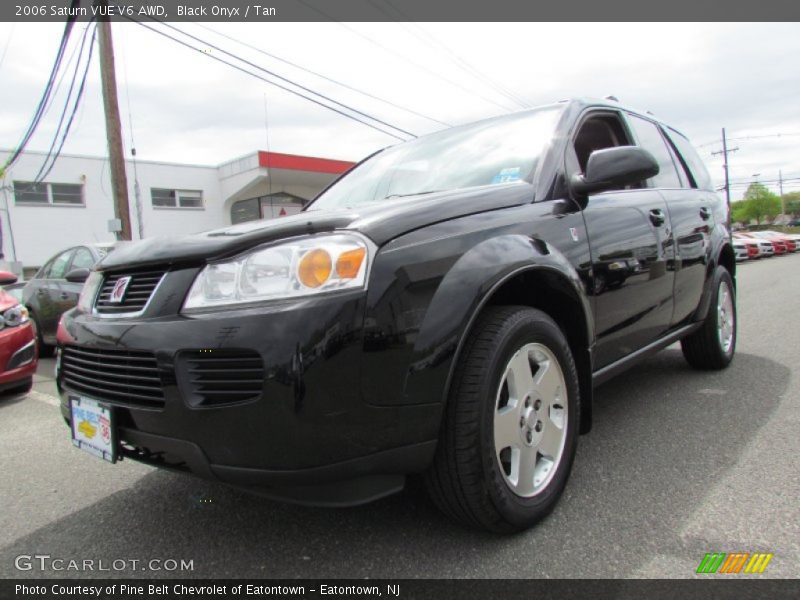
column 7, row 278
column 77, row 275
column 612, row 168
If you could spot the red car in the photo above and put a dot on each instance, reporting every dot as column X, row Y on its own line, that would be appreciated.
column 776, row 238
column 18, row 354
column 778, row 244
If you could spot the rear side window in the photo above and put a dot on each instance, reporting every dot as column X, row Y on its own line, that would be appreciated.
column 650, row 139
column 692, row 161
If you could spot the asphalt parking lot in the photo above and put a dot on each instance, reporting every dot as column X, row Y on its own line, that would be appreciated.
column 679, row 463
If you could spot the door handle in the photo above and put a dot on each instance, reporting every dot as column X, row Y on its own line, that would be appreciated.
column 705, row 214
column 657, row 217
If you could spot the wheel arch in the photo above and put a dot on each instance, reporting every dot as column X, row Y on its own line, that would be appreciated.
column 725, row 258
column 556, row 294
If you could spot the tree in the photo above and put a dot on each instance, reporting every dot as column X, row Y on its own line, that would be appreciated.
column 792, row 202
column 761, row 203
column 740, row 212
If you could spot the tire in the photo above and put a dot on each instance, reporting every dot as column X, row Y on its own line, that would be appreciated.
column 23, row 388
column 44, row 350
column 712, row 347
column 472, row 478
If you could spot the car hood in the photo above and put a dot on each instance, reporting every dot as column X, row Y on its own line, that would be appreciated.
column 380, row 222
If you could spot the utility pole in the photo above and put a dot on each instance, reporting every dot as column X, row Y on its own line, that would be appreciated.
column 725, row 151
column 119, row 180
column 780, row 186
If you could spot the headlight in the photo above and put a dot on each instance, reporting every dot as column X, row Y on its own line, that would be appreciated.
column 16, row 315
column 301, row 267
column 89, row 291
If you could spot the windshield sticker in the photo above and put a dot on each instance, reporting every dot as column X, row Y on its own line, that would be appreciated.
column 507, row 175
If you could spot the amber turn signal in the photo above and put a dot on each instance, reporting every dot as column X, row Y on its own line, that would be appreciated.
column 314, row 268
column 349, row 263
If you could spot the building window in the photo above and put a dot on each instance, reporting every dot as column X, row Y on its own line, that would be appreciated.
column 280, row 204
column 163, row 198
column 70, row 194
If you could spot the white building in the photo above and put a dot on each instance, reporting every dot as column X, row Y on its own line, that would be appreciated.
column 74, row 204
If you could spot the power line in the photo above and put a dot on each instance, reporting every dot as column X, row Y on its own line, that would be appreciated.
column 404, row 57
column 766, row 181
column 760, row 137
column 750, row 137
column 64, row 110
column 8, row 43
column 78, row 98
column 43, row 101
column 259, row 77
column 287, row 89
column 750, row 179
column 286, row 79
column 421, row 34
column 65, row 69
column 325, row 77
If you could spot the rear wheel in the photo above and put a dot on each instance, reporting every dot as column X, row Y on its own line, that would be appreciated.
column 713, row 345
column 510, row 427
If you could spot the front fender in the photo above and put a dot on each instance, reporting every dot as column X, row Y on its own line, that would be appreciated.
column 464, row 292
column 417, row 323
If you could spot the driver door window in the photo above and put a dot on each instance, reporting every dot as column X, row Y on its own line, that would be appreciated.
column 58, row 269
column 597, row 133
column 83, row 259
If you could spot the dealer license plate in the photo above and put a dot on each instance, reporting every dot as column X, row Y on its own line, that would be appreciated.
column 93, row 427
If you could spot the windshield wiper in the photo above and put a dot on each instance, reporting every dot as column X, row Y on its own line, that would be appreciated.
column 412, row 194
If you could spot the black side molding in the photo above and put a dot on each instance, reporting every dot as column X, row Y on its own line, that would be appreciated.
column 615, row 368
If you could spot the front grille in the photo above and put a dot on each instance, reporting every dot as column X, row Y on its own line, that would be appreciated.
column 137, row 293
column 216, row 377
column 129, row 378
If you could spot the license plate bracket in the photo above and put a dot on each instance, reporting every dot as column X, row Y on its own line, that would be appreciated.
column 93, row 427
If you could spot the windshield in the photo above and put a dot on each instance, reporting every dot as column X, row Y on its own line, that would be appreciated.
column 491, row 152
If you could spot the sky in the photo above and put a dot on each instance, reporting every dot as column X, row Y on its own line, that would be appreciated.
column 180, row 105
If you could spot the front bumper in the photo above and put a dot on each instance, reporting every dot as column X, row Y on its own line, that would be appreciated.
column 18, row 355
column 309, row 435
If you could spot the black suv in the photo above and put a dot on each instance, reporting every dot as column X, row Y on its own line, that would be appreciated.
column 445, row 308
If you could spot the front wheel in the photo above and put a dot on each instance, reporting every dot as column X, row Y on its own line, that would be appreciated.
column 712, row 346
column 44, row 350
column 510, row 427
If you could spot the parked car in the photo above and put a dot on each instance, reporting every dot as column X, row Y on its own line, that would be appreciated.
column 18, row 356
column 49, row 293
column 752, row 247
column 779, row 244
column 437, row 310
column 790, row 241
column 765, row 247
column 740, row 247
